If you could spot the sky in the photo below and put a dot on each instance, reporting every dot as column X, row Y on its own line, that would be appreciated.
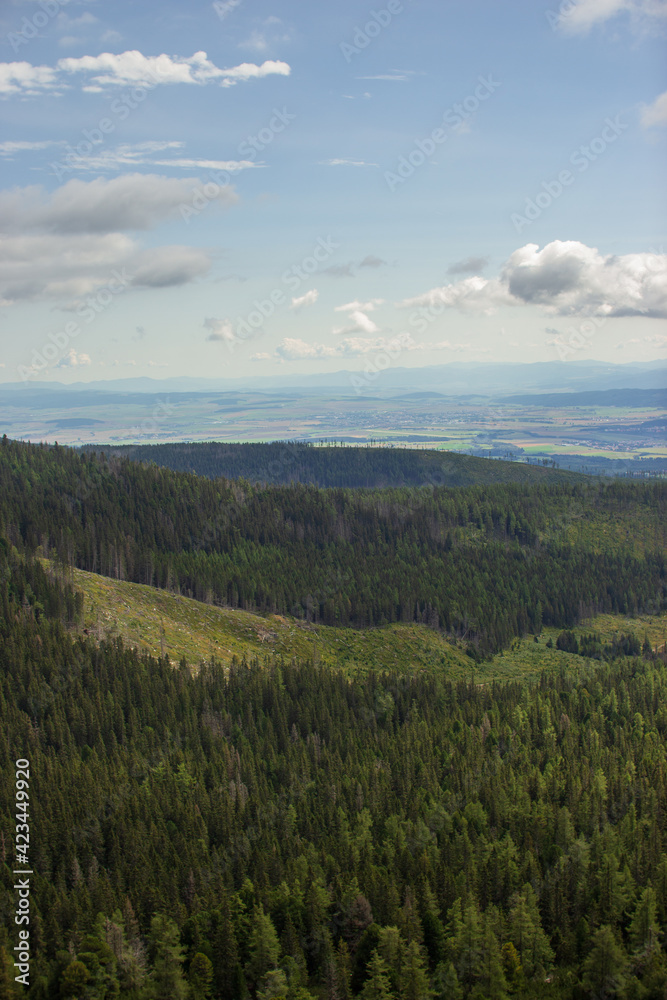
column 247, row 188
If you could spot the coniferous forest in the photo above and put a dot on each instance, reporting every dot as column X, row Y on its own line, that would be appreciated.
column 276, row 829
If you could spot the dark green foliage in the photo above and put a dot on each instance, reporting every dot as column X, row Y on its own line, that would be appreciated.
column 281, row 463
column 484, row 564
column 280, row 829
column 255, row 851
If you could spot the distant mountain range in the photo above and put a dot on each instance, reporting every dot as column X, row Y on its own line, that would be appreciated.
column 453, row 379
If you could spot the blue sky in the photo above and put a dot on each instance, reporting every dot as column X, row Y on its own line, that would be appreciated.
column 241, row 187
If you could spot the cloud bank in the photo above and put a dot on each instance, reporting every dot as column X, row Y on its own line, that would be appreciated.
column 565, row 278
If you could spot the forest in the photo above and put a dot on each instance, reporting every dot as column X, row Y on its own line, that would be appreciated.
column 276, row 829
column 281, row 830
column 482, row 563
column 281, row 463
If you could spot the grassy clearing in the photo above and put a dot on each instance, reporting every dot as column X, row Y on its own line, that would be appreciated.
column 156, row 621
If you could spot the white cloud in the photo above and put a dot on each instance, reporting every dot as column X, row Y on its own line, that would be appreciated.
column 11, row 147
column 655, row 114
column 566, row 279
column 130, row 68
column 141, row 154
column 65, row 245
column 293, row 349
column 359, row 321
column 73, row 360
column 354, row 306
column 22, row 78
column 220, row 330
column 309, row 299
column 582, row 15
column 133, row 201
column 347, row 163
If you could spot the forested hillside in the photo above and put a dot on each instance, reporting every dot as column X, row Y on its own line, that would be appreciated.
column 285, row 462
column 289, row 832
column 485, row 563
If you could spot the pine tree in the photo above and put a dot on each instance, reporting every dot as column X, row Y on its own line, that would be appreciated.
column 200, row 977
column 264, row 945
column 527, row 933
column 414, row 980
column 468, row 947
column 166, row 978
column 645, row 931
column 604, row 969
column 73, row 980
column 446, row 985
column 274, row 986
column 492, row 977
column 224, row 953
column 7, row 990
column 377, row 985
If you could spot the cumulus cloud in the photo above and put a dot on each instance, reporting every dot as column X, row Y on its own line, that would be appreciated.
column 65, row 245
column 566, row 278
column 655, row 115
column 372, row 261
column 220, row 330
column 131, row 68
column 23, row 78
column 356, row 305
column 309, row 299
column 73, row 360
column 360, row 322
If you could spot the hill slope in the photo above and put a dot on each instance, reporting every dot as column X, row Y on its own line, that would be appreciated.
column 158, row 622
column 285, row 462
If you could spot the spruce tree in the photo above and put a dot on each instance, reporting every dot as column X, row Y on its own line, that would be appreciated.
column 377, row 985
column 166, row 980
column 604, row 969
